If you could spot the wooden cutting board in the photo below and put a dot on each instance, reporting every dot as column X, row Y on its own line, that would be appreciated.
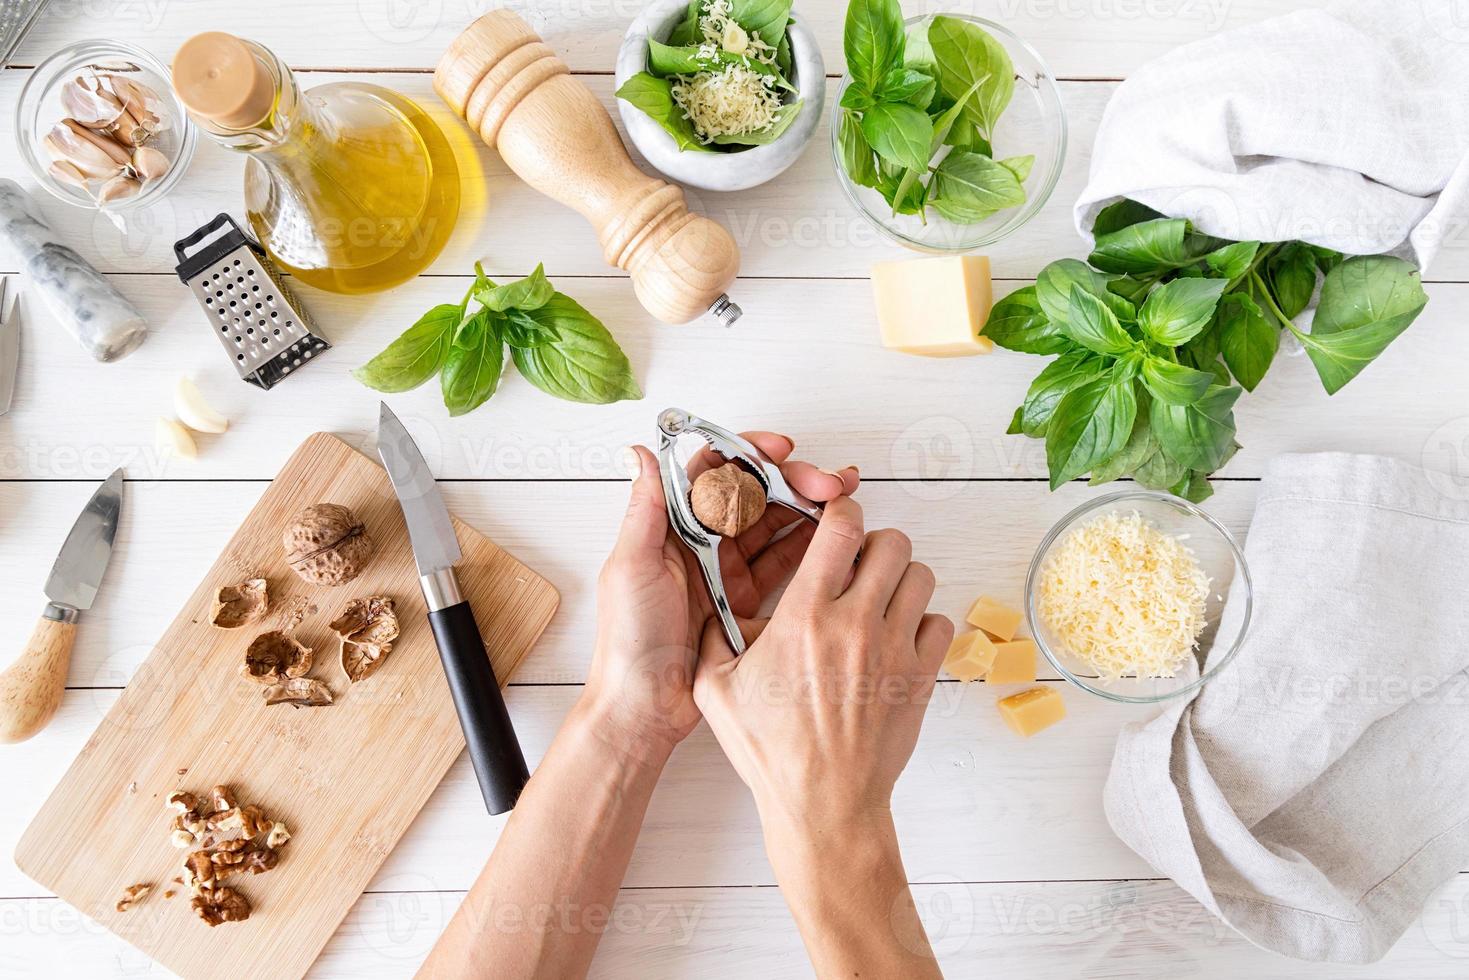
column 347, row 779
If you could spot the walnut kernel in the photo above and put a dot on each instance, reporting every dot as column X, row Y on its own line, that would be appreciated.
column 132, row 895
column 368, row 628
column 327, row 545
column 728, row 500
column 216, row 905
column 241, row 604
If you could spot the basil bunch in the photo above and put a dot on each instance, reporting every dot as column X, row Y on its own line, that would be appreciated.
column 933, row 93
column 1159, row 324
column 687, row 54
column 556, row 345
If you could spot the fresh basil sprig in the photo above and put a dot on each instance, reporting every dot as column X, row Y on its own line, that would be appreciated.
column 555, row 343
column 917, row 118
column 1161, row 331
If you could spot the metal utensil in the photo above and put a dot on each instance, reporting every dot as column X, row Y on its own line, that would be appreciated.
column 17, row 17
column 30, row 689
column 499, row 765
column 9, row 345
column 265, row 330
column 704, row 543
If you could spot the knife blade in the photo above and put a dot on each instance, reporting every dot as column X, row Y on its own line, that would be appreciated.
column 31, row 688
column 9, row 345
column 494, row 749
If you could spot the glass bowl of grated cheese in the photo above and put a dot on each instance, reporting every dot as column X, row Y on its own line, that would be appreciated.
column 1139, row 597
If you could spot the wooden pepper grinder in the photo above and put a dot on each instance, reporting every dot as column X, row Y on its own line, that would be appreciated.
column 551, row 130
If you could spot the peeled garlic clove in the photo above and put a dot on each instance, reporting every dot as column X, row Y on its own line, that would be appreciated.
column 64, row 172
column 93, row 108
column 170, row 437
column 150, row 164
column 119, row 188
column 140, row 101
column 194, row 411
column 62, row 143
column 106, row 144
column 735, row 40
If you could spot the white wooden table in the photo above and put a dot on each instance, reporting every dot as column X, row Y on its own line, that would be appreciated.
column 1013, row 863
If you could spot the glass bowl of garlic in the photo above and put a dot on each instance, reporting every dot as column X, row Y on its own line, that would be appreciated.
column 99, row 126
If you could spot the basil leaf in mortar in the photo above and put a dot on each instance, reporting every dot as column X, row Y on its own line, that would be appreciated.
column 654, row 96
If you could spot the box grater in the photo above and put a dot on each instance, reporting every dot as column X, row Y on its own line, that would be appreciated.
column 256, row 319
column 17, row 17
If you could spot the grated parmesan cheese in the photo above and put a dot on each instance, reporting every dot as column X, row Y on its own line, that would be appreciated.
column 738, row 100
column 1124, row 597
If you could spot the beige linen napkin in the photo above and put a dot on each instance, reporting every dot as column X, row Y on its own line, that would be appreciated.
column 1316, row 792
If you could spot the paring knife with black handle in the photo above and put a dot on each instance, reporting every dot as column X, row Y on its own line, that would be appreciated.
column 493, row 748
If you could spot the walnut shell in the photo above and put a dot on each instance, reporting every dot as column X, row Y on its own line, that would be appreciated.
column 241, row 604
column 327, row 545
column 301, row 691
column 274, row 656
column 728, row 500
column 368, row 628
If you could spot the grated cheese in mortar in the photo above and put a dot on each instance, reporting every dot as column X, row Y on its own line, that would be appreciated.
column 738, row 100
column 1124, row 597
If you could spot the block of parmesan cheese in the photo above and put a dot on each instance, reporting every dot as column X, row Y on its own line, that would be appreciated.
column 970, row 656
column 994, row 617
column 934, row 307
column 1014, row 663
column 1032, row 711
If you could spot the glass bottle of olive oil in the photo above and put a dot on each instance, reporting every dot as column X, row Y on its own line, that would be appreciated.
column 351, row 187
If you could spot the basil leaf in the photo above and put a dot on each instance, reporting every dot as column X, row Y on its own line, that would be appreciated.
column 1366, row 302
column 966, row 53
column 1247, row 340
column 1092, row 325
column 533, row 291
column 1149, row 246
column 907, row 85
column 963, row 135
column 856, row 152
column 1092, row 423
column 654, row 96
column 1198, row 488
column 968, row 187
column 472, row 328
column 520, row 329
column 1174, row 383
column 917, row 52
column 665, row 60
column 584, row 364
column 899, row 133
column 1121, row 214
column 872, row 40
column 1326, row 259
column 1017, row 323
column 416, row 355
column 784, row 116
column 1292, row 278
column 1053, row 289
column 1198, row 435
column 1066, row 372
column 783, row 59
column 686, row 31
column 857, row 98
column 767, row 18
column 471, row 374
column 1232, row 261
column 1019, row 166
column 1158, row 471
column 1176, row 311
column 1140, row 445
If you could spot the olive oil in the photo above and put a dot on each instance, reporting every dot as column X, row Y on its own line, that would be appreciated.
column 350, row 187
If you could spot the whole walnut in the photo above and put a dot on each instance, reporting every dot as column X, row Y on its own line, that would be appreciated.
column 728, row 500
column 327, row 545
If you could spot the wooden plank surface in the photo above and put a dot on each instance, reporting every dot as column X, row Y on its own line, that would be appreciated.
column 188, row 721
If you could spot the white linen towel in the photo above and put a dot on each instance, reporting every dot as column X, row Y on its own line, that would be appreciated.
column 1316, row 792
column 1346, row 127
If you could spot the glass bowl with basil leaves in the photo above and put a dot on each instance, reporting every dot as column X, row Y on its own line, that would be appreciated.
column 949, row 133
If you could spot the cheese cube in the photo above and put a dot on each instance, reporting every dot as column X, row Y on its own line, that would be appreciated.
column 1014, row 663
column 1032, row 711
column 970, row 656
column 995, row 618
column 934, row 307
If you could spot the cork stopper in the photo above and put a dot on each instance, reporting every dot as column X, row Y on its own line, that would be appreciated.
column 222, row 81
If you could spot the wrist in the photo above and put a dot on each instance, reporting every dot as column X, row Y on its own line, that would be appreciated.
column 629, row 742
column 798, row 841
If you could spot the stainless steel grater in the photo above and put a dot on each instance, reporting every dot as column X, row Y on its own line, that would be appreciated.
column 17, row 17
column 256, row 319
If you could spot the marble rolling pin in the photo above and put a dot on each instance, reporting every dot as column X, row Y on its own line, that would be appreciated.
column 77, row 295
column 550, row 129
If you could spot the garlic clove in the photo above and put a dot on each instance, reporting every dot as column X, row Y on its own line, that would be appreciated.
column 194, row 411
column 106, row 144
column 62, row 143
column 119, row 188
column 93, row 108
column 65, row 172
column 140, row 101
column 735, row 40
column 150, row 164
column 170, row 437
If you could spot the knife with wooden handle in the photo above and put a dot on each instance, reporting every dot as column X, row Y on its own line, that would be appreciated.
column 30, row 689
column 494, row 750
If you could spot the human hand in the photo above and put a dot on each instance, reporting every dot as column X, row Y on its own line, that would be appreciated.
column 652, row 602
column 822, row 711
